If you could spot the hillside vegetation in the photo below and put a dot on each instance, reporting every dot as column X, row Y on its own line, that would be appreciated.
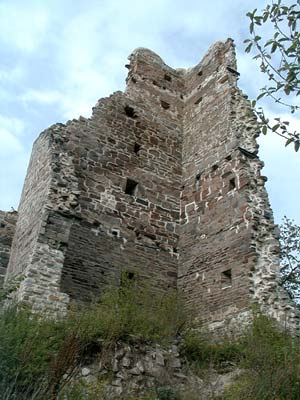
column 39, row 359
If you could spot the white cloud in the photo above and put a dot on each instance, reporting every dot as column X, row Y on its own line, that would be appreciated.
column 11, row 75
column 13, row 158
column 12, row 124
column 9, row 144
column 23, row 27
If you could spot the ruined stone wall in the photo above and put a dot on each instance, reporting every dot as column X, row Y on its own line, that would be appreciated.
column 227, row 230
column 121, row 230
column 38, row 246
column 8, row 222
column 264, row 270
column 161, row 183
column 112, row 203
column 215, row 238
column 31, row 208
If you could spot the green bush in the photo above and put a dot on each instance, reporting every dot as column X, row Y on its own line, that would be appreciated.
column 134, row 313
column 167, row 393
column 200, row 351
column 34, row 354
column 271, row 364
column 38, row 357
column 268, row 357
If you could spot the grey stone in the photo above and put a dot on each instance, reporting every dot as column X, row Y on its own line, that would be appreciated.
column 85, row 371
column 159, row 358
column 126, row 362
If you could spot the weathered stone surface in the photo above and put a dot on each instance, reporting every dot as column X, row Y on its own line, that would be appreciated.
column 148, row 375
column 85, row 371
column 8, row 222
column 163, row 183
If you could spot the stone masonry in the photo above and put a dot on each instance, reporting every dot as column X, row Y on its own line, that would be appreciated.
column 7, row 230
column 162, row 183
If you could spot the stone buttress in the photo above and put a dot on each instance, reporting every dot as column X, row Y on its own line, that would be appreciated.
column 161, row 184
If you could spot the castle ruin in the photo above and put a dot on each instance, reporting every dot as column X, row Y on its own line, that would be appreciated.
column 162, row 183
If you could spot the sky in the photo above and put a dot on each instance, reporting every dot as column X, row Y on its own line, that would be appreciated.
column 58, row 57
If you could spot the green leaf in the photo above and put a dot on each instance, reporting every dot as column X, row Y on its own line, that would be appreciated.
column 261, row 95
column 265, row 17
column 297, row 145
column 274, row 47
column 248, row 48
column 264, row 130
column 275, row 127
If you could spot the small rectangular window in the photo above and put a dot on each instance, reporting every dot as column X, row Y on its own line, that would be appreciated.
column 232, row 184
column 226, row 279
column 129, row 111
column 131, row 187
column 136, row 148
column 198, row 176
column 165, row 105
column 128, row 278
column 198, row 101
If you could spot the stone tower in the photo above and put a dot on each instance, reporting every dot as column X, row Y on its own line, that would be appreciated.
column 162, row 183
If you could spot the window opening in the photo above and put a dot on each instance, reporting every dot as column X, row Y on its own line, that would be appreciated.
column 232, row 184
column 199, row 100
column 167, row 78
column 129, row 111
column 130, row 275
column 115, row 232
column 198, row 176
column 127, row 278
column 226, row 279
column 165, row 105
column 200, row 73
column 131, row 187
column 136, row 148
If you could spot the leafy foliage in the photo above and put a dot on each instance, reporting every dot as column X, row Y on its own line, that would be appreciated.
column 270, row 364
column 290, row 257
column 267, row 357
column 39, row 357
column 133, row 313
column 201, row 352
column 279, row 58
